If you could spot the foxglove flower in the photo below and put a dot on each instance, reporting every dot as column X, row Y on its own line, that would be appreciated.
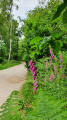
column 34, row 78
column 51, row 78
column 63, row 76
column 47, row 64
column 50, row 61
column 61, row 60
column 31, row 67
column 51, row 53
column 61, row 67
column 34, row 74
column 30, row 63
column 35, row 88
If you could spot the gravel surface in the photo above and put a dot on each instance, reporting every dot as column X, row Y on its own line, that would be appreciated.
column 11, row 79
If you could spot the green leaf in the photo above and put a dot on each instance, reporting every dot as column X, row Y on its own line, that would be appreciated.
column 60, row 8
column 35, row 41
column 65, row 17
column 32, row 54
column 44, row 42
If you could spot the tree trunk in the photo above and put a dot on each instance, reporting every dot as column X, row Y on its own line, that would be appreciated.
column 10, row 33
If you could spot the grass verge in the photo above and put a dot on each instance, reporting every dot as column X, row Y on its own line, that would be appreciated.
column 9, row 64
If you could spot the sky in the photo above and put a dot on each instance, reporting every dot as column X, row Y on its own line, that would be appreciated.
column 24, row 6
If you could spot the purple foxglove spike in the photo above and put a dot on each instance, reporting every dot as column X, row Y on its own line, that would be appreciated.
column 33, row 74
column 55, row 72
column 35, row 88
column 50, row 61
column 34, row 78
column 61, row 60
column 35, row 84
column 51, row 78
column 33, row 71
column 47, row 64
column 31, row 67
column 30, row 63
column 51, row 53
column 63, row 76
column 61, row 67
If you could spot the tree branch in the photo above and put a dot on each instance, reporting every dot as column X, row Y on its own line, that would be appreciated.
column 61, row 36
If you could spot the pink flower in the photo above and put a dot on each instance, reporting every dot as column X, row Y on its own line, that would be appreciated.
column 33, row 71
column 61, row 67
column 34, row 78
column 51, row 53
column 47, row 64
column 50, row 61
column 35, row 84
column 61, row 60
column 31, row 67
column 30, row 63
column 51, row 78
column 35, row 88
column 63, row 76
column 34, row 74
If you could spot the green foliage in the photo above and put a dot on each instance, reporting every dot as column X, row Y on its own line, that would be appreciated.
column 27, row 92
column 12, row 108
column 46, row 103
column 40, row 32
column 61, row 8
column 46, row 107
column 65, row 16
column 34, row 46
column 49, row 101
column 5, row 28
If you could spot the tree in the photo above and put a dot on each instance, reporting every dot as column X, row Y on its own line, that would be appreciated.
column 40, row 31
column 8, row 26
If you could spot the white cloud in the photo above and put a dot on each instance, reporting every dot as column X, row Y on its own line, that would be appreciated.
column 24, row 6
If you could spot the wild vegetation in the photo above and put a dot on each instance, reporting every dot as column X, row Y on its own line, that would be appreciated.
column 44, row 49
column 10, row 32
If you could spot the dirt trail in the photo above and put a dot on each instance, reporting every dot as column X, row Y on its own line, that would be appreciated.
column 11, row 79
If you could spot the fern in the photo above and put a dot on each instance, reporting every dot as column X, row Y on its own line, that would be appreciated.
column 12, row 108
column 46, row 107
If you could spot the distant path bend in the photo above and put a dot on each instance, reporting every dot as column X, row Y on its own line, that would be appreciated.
column 11, row 79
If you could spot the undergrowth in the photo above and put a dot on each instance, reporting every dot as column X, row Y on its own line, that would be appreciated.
column 48, row 102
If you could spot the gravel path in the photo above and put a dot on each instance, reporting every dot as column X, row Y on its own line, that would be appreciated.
column 11, row 79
